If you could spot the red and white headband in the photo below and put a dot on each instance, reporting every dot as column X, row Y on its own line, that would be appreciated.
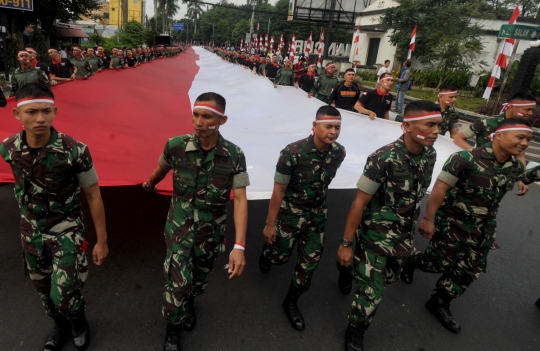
column 328, row 119
column 76, row 48
column 209, row 108
column 421, row 116
column 33, row 99
column 22, row 52
column 522, row 103
column 447, row 92
column 518, row 127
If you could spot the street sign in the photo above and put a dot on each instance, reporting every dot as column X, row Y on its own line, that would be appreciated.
column 176, row 26
column 518, row 31
column 25, row 5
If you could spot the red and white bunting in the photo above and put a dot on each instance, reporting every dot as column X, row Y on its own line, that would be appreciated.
column 292, row 50
column 412, row 44
column 281, row 43
column 308, row 47
column 356, row 43
column 321, row 44
column 271, row 43
column 261, row 44
column 265, row 42
column 506, row 50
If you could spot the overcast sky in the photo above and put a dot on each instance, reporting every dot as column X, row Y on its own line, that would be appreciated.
column 183, row 7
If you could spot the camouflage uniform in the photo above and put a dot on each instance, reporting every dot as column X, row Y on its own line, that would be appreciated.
column 450, row 119
column 398, row 181
column 466, row 221
column 116, row 61
column 52, row 232
column 95, row 63
column 302, row 215
column 195, row 228
column 323, row 87
column 21, row 77
column 531, row 175
column 83, row 67
column 483, row 128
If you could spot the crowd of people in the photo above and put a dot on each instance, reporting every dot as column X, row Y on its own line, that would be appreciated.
column 82, row 63
column 377, row 244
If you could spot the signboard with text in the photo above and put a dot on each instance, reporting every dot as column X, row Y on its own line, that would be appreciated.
column 25, row 5
column 518, row 31
column 176, row 26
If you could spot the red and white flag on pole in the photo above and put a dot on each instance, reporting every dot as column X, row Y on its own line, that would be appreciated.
column 356, row 43
column 265, row 42
column 241, row 44
column 261, row 44
column 412, row 44
column 271, row 43
column 308, row 47
column 292, row 50
column 506, row 50
column 321, row 47
column 281, row 44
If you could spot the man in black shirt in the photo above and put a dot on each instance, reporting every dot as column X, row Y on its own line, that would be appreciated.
column 106, row 59
column 131, row 61
column 345, row 93
column 61, row 69
column 34, row 61
column 271, row 69
column 376, row 103
column 307, row 80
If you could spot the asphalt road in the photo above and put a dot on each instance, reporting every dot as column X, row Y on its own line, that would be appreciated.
column 124, row 295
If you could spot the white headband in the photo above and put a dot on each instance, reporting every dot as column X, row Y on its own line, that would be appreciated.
column 209, row 108
column 31, row 101
column 447, row 92
column 421, row 116
column 510, row 128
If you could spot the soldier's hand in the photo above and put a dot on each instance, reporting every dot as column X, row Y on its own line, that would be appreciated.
column 237, row 262
column 269, row 233
column 372, row 115
column 345, row 255
column 275, row 85
column 101, row 250
column 522, row 189
column 309, row 95
column 426, row 228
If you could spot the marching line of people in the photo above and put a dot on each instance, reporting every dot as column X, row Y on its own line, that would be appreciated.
column 377, row 246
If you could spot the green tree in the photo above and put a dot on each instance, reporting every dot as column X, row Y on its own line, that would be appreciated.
column 447, row 38
column 134, row 34
column 194, row 11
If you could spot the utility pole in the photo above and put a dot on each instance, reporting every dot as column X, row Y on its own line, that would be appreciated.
column 251, row 27
column 268, row 32
column 213, row 24
column 328, row 34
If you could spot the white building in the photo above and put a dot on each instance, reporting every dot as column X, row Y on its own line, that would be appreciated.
column 375, row 46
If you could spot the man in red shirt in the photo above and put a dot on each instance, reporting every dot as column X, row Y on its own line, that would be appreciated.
column 299, row 68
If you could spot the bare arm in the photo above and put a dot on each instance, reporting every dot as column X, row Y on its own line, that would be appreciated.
column 522, row 188
column 461, row 140
column 97, row 211
column 269, row 230
column 454, row 132
column 360, row 108
column 427, row 225
column 156, row 177
column 237, row 260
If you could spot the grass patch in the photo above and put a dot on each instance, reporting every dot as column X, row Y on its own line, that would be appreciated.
column 463, row 102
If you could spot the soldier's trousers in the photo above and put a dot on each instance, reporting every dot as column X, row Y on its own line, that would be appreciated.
column 373, row 273
column 308, row 230
column 58, row 273
column 188, row 269
column 460, row 263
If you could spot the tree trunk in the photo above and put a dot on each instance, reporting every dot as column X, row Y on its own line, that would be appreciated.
column 125, row 11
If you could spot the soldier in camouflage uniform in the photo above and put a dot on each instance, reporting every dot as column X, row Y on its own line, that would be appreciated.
column 461, row 213
column 84, row 70
column 205, row 168
column 297, row 210
column 521, row 105
column 531, row 175
column 383, row 216
column 117, row 62
column 95, row 62
column 49, row 168
column 324, row 85
column 26, row 73
column 447, row 99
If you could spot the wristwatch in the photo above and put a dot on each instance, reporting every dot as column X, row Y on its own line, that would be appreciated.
column 346, row 242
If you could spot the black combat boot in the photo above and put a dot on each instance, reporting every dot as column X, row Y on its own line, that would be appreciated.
column 354, row 337
column 538, row 303
column 407, row 273
column 264, row 263
column 80, row 331
column 290, row 305
column 188, row 323
column 172, row 337
column 345, row 278
column 60, row 334
column 440, row 307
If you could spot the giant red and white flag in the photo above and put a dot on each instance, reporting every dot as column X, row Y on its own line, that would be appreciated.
column 412, row 44
column 506, row 50
column 356, row 43
column 292, row 50
column 321, row 47
column 308, row 46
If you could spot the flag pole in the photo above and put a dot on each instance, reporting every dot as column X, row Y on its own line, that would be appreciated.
column 506, row 74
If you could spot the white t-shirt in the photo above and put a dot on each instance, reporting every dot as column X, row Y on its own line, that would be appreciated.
column 383, row 70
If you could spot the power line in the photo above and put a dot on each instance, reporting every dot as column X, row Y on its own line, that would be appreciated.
column 239, row 8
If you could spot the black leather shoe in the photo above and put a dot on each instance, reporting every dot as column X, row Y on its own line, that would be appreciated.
column 345, row 278
column 172, row 337
column 441, row 310
column 60, row 334
column 354, row 338
column 188, row 323
column 264, row 263
column 538, row 303
column 407, row 273
column 290, row 305
column 80, row 331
